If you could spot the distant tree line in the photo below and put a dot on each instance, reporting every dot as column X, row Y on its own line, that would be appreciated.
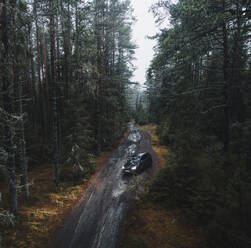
column 65, row 66
column 199, row 94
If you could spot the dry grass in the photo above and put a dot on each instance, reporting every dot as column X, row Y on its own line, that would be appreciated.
column 47, row 207
column 161, row 150
column 150, row 225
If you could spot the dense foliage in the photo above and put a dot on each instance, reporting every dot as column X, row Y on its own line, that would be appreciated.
column 65, row 69
column 199, row 94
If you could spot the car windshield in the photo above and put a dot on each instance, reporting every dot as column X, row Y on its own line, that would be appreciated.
column 134, row 159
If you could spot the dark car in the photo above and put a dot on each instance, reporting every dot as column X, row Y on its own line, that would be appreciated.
column 137, row 163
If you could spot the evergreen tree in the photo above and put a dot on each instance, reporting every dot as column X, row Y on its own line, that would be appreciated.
column 65, row 68
column 197, row 86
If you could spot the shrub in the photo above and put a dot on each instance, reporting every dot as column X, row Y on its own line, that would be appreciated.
column 199, row 187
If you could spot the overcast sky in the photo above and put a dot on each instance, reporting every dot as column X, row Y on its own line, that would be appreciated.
column 145, row 26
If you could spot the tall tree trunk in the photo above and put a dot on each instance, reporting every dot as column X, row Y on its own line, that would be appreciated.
column 54, row 100
column 98, row 112
column 11, row 130
column 46, row 97
column 77, row 50
column 41, row 101
column 236, row 103
column 32, row 76
column 226, row 84
column 69, row 52
column 46, row 70
column 22, row 146
column 38, row 48
column 65, row 67
column 102, row 80
column 58, row 45
column 7, row 22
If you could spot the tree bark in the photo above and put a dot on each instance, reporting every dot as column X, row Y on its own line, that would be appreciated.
column 65, row 67
column 226, row 84
column 7, row 22
column 69, row 53
column 98, row 111
column 41, row 100
column 46, row 69
column 32, row 76
column 22, row 146
column 54, row 100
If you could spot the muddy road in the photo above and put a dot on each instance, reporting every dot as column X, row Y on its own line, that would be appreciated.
column 97, row 219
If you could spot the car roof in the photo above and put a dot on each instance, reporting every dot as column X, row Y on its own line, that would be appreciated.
column 140, row 154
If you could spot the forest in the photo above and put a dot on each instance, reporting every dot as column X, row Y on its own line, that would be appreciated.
column 67, row 95
column 198, row 93
column 64, row 80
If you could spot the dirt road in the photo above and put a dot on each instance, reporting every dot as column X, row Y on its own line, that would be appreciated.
column 96, row 220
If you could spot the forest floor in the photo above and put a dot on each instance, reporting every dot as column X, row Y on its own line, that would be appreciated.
column 150, row 225
column 48, row 206
column 97, row 220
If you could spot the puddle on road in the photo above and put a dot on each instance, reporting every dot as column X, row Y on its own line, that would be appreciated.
column 120, row 190
column 131, row 149
column 134, row 136
column 122, row 185
column 110, row 227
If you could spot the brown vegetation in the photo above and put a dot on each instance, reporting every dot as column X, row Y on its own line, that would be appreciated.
column 48, row 206
column 161, row 150
column 150, row 225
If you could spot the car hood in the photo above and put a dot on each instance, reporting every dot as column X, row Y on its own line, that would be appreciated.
column 130, row 164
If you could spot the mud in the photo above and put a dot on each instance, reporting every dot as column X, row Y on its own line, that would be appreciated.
column 97, row 219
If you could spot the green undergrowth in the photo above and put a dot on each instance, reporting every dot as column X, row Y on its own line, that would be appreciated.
column 207, row 192
column 151, row 225
column 46, row 209
column 210, row 190
column 153, row 222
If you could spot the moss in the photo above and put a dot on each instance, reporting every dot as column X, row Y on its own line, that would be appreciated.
column 47, row 207
column 153, row 226
column 161, row 150
column 150, row 224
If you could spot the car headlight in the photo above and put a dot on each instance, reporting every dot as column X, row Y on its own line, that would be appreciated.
column 134, row 167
